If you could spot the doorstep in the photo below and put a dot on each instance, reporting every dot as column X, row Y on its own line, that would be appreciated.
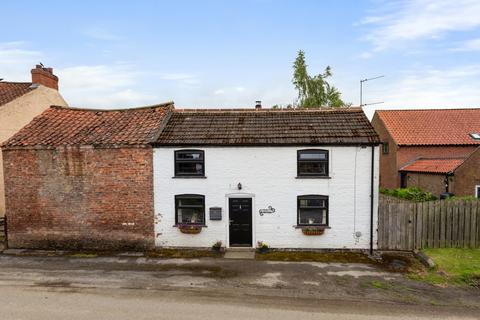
column 240, row 253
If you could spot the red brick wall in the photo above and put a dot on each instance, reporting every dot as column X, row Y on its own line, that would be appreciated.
column 388, row 162
column 79, row 198
column 409, row 153
column 467, row 175
column 434, row 183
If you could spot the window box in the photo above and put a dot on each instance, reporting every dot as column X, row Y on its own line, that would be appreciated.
column 312, row 163
column 190, row 229
column 313, row 231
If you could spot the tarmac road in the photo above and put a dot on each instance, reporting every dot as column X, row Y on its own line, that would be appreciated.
column 59, row 303
column 141, row 288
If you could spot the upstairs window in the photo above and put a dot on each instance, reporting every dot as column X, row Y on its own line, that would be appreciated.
column 312, row 210
column 385, row 148
column 312, row 163
column 190, row 209
column 189, row 163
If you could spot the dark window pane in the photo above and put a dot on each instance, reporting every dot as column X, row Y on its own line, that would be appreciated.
column 190, row 168
column 190, row 209
column 312, row 168
column 312, row 210
column 313, row 156
column 189, row 155
column 197, row 202
column 190, row 215
column 312, row 216
column 385, row 147
column 316, row 203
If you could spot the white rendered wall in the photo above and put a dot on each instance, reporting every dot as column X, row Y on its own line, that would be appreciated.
column 268, row 175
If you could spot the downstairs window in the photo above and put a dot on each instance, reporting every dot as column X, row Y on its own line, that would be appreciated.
column 312, row 210
column 190, row 209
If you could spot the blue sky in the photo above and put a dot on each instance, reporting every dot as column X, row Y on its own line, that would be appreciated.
column 231, row 53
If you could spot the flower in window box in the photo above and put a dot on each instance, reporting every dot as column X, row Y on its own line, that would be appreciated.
column 189, row 229
column 313, row 231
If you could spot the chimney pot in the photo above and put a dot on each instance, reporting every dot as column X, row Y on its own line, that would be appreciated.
column 44, row 77
column 258, row 104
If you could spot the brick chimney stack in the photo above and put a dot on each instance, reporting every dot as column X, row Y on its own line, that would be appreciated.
column 45, row 77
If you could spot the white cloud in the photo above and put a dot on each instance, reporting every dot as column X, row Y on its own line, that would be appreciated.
column 103, row 86
column 218, row 92
column 16, row 61
column 404, row 21
column 431, row 88
column 182, row 78
column 366, row 55
column 100, row 33
column 470, row 45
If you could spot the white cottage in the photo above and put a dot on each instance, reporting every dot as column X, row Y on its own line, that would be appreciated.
column 296, row 179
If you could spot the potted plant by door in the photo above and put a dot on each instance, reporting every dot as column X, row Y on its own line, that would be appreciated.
column 217, row 247
column 262, row 247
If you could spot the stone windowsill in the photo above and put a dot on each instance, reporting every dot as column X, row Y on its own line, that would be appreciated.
column 189, row 177
column 190, row 225
column 319, row 227
column 313, row 177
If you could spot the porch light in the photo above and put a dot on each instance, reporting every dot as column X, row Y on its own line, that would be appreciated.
column 239, row 186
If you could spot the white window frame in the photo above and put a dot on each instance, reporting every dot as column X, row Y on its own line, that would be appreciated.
column 477, row 191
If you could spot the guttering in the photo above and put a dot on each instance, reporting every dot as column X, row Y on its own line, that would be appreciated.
column 371, row 198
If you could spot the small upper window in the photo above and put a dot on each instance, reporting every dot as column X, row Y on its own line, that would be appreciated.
column 475, row 136
column 189, row 209
column 385, row 148
column 477, row 191
column 312, row 210
column 189, row 163
column 312, row 162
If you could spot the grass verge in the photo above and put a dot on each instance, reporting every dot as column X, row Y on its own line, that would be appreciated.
column 454, row 266
column 183, row 253
column 339, row 257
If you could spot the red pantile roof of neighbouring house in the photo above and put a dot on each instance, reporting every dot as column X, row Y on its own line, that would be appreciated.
column 10, row 91
column 268, row 127
column 432, row 127
column 59, row 126
column 433, row 165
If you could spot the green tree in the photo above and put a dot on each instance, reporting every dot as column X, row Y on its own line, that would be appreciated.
column 314, row 91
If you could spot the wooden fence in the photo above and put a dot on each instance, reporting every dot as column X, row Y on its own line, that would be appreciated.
column 405, row 225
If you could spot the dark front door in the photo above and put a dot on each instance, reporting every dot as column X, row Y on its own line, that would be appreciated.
column 240, row 212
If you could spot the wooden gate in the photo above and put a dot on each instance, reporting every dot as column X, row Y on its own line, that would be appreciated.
column 406, row 225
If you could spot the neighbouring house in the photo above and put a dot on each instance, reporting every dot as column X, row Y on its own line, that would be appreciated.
column 434, row 149
column 20, row 102
column 80, row 178
column 271, row 176
column 165, row 177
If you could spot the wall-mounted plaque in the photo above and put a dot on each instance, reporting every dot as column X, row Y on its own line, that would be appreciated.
column 268, row 210
column 215, row 213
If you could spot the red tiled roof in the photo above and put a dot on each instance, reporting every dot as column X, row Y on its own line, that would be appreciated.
column 10, row 91
column 58, row 126
column 434, row 165
column 268, row 127
column 432, row 127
